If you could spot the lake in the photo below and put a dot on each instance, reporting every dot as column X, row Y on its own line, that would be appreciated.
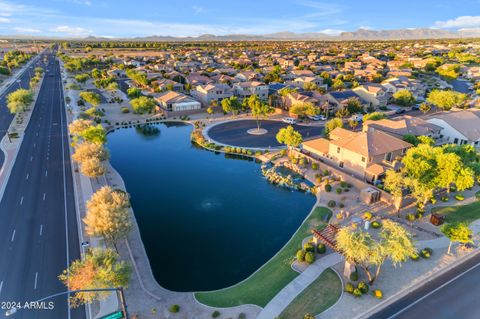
column 207, row 221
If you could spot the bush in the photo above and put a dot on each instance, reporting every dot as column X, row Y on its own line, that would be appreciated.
column 309, row 257
column 174, row 308
column 426, row 253
column 376, row 224
column 444, row 199
column 326, row 172
column 410, row 217
column 354, row 276
column 315, row 166
column 418, row 215
column 357, row 292
column 343, row 184
column 341, row 205
column 332, row 203
column 339, row 190
column 363, row 287
column 216, row 314
column 459, row 197
column 433, row 201
column 302, row 161
column 294, row 160
column 378, row 293
column 328, row 188
column 349, row 287
column 367, row 215
column 321, row 248
column 309, row 247
column 415, row 257
column 301, row 255
column 242, row 316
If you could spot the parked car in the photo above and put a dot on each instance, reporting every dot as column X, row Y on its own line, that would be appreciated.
column 416, row 107
column 289, row 120
column 400, row 111
column 357, row 117
column 317, row 117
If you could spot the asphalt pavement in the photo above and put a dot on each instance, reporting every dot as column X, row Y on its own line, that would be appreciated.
column 453, row 295
column 38, row 228
column 235, row 133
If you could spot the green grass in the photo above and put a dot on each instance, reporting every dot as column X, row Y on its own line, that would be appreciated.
column 463, row 213
column 316, row 298
column 262, row 286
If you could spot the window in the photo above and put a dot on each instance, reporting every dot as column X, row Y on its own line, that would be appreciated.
column 455, row 141
column 363, row 159
column 338, row 150
column 388, row 157
column 340, row 164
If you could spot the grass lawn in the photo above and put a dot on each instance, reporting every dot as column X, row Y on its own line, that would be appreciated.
column 316, row 298
column 464, row 213
column 262, row 286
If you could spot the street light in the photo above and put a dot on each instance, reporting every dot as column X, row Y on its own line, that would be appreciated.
column 118, row 290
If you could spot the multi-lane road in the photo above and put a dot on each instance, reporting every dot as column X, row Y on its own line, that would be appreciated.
column 38, row 225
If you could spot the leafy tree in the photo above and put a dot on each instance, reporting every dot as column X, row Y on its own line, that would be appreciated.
column 82, row 78
column 338, row 85
column 99, row 269
column 90, row 97
column 394, row 243
column 84, row 151
column 457, row 232
column 232, row 105
column 412, row 139
column 137, row 77
column 354, row 105
column 92, row 168
column 94, row 134
column 78, row 126
column 108, row 215
column 332, row 124
column 143, row 104
column 289, row 137
column 134, row 93
column 304, row 109
column 259, row 109
column 404, row 97
column 19, row 100
column 425, row 107
column 446, row 99
column 353, row 123
column 450, row 72
column 374, row 116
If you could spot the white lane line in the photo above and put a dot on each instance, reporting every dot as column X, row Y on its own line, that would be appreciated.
column 13, row 235
column 1, row 286
column 36, row 277
column 21, row 200
column 44, row 196
column 31, row 158
column 46, row 173
column 27, row 176
column 34, row 144
column 36, row 134
column 41, row 229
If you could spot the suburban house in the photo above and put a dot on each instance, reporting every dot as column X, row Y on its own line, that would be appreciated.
column 306, row 97
column 367, row 155
column 174, row 101
column 404, row 125
column 394, row 84
column 302, row 80
column 459, row 126
column 373, row 93
column 339, row 99
column 246, row 89
column 211, row 92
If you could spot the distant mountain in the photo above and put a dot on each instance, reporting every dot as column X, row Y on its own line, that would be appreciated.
column 360, row 34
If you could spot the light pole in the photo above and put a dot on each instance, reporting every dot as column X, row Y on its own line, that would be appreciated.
column 118, row 290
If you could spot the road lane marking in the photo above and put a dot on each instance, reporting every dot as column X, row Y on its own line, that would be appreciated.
column 41, row 229
column 31, row 158
column 1, row 286
column 21, row 200
column 34, row 144
column 44, row 196
column 13, row 235
column 36, row 277
column 46, row 173
column 27, row 176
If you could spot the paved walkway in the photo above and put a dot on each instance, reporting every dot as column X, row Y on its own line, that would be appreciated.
column 296, row 286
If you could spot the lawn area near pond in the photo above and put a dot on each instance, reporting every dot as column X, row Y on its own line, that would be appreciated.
column 463, row 213
column 316, row 298
column 263, row 285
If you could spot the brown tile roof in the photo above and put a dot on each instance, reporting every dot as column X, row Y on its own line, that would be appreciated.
column 319, row 144
column 466, row 122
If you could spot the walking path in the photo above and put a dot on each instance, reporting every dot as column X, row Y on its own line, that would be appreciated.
column 296, row 286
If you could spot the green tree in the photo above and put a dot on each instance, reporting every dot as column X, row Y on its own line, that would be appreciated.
column 404, row 97
column 258, row 108
column 134, row 93
column 19, row 100
column 143, row 104
column 425, row 107
column 338, row 85
column 374, row 116
column 446, row 99
column 457, row 232
column 82, row 78
column 90, row 97
column 232, row 105
column 449, row 72
column 332, row 124
column 353, row 123
column 289, row 137
column 98, row 269
column 354, row 105
column 94, row 134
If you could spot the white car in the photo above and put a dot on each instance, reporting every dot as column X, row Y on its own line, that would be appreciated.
column 317, row 117
column 289, row 120
column 357, row 117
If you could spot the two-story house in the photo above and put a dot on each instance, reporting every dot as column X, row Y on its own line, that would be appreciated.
column 373, row 93
column 245, row 89
column 212, row 92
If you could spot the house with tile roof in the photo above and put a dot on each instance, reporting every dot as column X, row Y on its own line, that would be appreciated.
column 404, row 125
column 174, row 101
column 211, row 92
column 373, row 93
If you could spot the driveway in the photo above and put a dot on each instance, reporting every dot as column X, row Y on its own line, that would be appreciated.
column 235, row 133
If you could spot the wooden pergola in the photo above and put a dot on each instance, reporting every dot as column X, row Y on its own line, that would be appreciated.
column 327, row 236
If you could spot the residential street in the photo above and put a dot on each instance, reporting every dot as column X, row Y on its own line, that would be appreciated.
column 38, row 232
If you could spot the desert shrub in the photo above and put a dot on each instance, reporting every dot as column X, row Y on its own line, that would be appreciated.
column 357, row 292
column 125, row 109
column 410, row 217
column 354, row 276
column 309, row 247
column 321, row 248
column 328, row 187
column 426, row 253
column 367, row 215
column 174, row 308
column 315, row 166
column 433, row 200
column 343, row 184
column 309, row 257
column 418, row 215
column 242, row 316
column 459, row 197
column 301, row 255
column 415, row 257
column 378, row 293
column 349, row 287
column 341, row 205
column 444, row 198
column 376, row 224
column 216, row 314
column 339, row 191
column 332, row 203
column 326, row 172
column 363, row 287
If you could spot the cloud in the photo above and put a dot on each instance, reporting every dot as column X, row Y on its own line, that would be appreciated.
column 72, row 31
column 198, row 10
column 4, row 20
column 331, row 32
column 26, row 30
column 87, row 3
column 460, row 22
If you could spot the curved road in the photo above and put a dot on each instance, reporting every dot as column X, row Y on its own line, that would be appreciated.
column 235, row 133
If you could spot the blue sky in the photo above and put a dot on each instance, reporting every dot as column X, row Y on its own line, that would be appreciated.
column 127, row 18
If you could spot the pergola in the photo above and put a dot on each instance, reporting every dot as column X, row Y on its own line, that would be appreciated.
column 327, row 236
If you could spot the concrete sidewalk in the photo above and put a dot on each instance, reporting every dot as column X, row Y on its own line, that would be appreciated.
column 296, row 286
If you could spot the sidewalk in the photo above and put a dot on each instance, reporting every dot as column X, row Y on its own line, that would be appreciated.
column 275, row 307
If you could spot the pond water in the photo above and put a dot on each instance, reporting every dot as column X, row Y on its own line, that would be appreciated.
column 207, row 221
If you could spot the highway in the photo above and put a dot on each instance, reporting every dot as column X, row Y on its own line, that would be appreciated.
column 453, row 295
column 38, row 228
